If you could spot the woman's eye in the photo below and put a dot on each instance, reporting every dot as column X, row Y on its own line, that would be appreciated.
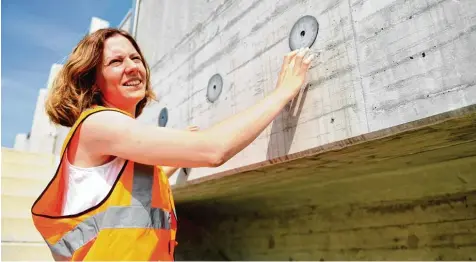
column 115, row 62
column 137, row 59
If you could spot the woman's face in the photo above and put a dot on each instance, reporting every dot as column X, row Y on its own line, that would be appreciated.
column 121, row 76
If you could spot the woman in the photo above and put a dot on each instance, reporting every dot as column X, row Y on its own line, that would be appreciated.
column 110, row 199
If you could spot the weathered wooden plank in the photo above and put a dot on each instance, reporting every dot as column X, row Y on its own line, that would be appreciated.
column 431, row 228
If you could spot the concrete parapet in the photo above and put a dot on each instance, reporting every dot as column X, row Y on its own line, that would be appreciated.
column 24, row 177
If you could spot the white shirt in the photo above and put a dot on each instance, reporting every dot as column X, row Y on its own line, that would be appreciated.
column 86, row 187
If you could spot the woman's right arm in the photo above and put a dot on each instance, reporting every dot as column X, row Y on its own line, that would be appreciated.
column 112, row 133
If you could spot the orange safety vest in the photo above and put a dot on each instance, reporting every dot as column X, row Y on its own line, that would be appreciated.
column 136, row 220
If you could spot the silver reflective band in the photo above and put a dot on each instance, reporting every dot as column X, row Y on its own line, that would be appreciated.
column 142, row 185
column 113, row 217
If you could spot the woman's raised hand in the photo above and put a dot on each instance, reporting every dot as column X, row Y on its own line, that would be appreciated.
column 294, row 70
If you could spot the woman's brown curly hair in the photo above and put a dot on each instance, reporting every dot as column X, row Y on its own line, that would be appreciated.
column 72, row 91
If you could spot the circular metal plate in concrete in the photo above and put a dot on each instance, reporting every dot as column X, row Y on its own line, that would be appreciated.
column 215, row 85
column 163, row 117
column 304, row 32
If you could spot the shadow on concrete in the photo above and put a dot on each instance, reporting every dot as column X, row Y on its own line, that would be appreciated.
column 183, row 175
column 281, row 136
column 284, row 127
column 198, row 242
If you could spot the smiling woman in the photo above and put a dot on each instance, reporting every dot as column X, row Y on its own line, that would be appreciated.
column 94, row 75
column 110, row 198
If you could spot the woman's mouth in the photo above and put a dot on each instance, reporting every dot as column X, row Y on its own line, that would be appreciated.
column 135, row 82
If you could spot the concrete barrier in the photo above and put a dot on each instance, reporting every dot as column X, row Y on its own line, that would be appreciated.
column 25, row 252
column 15, row 206
column 24, row 176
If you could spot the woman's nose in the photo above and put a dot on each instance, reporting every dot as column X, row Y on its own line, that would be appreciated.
column 131, row 66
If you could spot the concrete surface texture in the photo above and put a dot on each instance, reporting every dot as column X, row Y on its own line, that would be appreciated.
column 43, row 135
column 380, row 64
column 375, row 159
column 24, row 176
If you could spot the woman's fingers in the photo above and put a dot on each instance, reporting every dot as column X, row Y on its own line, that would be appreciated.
column 307, row 62
column 294, row 68
column 286, row 64
column 299, row 58
column 294, row 59
column 289, row 56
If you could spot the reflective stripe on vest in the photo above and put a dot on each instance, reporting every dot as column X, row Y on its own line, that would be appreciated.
column 138, row 215
column 114, row 217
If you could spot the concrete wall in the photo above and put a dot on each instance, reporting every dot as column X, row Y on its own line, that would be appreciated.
column 43, row 133
column 380, row 63
column 24, row 176
column 127, row 22
column 61, row 133
column 21, row 142
column 355, row 187
column 55, row 69
column 97, row 23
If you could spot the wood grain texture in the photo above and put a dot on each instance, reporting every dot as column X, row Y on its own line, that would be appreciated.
column 433, row 228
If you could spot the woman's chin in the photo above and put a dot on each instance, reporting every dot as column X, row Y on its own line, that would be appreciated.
column 134, row 88
column 135, row 91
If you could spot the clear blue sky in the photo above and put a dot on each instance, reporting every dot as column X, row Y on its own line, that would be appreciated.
column 36, row 34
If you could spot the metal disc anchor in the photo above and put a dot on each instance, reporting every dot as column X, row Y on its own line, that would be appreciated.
column 304, row 32
column 215, row 85
column 163, row 117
